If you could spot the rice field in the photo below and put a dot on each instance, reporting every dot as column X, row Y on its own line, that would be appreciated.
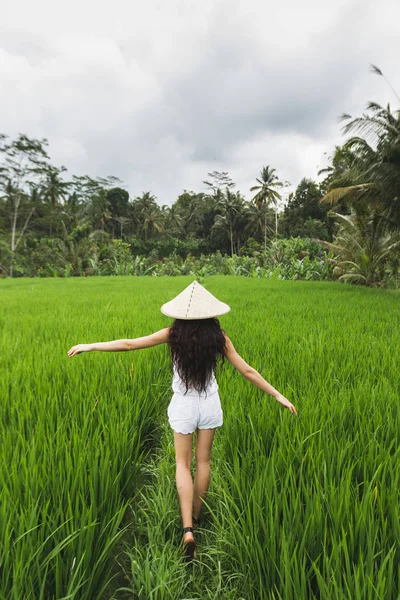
column 300, row 507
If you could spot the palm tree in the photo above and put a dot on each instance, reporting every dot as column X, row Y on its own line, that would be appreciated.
column 52, row 189
column 72, row 211
column 153, row 221
column 147, row 213
column 231, row 206
column 257, row 219
column 362, row 244
column 267, row 194
column 122, row 221
column 192, row 215
column 173, row 219
column 79, row 246
column 373, row 174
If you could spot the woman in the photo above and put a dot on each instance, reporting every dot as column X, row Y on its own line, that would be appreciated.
column 197, row 344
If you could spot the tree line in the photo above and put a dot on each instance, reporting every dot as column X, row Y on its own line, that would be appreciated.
column 49, row 219
column 38, row 206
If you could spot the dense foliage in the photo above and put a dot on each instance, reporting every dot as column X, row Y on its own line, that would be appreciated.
column 50, row 226
column 54, row 227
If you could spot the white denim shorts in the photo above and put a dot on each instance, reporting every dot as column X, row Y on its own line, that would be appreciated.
column 187, row 413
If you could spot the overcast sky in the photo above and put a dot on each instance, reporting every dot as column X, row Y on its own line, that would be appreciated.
column 159, row 93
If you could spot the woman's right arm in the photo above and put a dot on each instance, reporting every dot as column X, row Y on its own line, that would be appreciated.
column 254, row 376
column 159, row 337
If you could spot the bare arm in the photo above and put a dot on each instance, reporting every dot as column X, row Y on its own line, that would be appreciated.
column 159, row 337
column 254, row 376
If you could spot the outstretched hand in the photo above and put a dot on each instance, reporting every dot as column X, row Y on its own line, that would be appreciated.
column 285, row 402
column 78, row 349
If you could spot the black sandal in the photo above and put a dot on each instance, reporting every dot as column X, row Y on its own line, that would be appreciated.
column 196, row 522
column 189, row 546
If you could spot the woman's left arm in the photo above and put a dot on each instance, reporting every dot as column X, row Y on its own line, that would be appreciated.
column 159, row 337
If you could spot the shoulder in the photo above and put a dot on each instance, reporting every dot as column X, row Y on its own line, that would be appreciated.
column 163, row 334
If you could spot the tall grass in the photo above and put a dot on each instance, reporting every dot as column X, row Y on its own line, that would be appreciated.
column 73, row 433
column 299, row 507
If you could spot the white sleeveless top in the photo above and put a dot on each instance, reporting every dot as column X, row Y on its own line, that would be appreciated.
column 178, row 387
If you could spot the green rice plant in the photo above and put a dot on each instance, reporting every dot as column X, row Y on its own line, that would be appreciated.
column 298, row 507
column 74, row 436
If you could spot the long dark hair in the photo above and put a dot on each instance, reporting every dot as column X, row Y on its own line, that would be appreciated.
column 196, row 347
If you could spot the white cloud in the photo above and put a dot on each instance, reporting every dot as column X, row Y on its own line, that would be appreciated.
column 160, row 93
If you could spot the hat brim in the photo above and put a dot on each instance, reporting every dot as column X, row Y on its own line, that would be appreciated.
column 169, row 312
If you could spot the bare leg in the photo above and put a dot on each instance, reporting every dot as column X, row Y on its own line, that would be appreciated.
column 184, row 483
column 205, row 438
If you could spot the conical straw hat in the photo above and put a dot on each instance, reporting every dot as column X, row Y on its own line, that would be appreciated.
column 194, row 303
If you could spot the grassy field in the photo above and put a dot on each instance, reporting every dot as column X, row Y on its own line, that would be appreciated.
column 299, row 507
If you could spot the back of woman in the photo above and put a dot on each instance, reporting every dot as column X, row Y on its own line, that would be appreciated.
column 196, row 347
